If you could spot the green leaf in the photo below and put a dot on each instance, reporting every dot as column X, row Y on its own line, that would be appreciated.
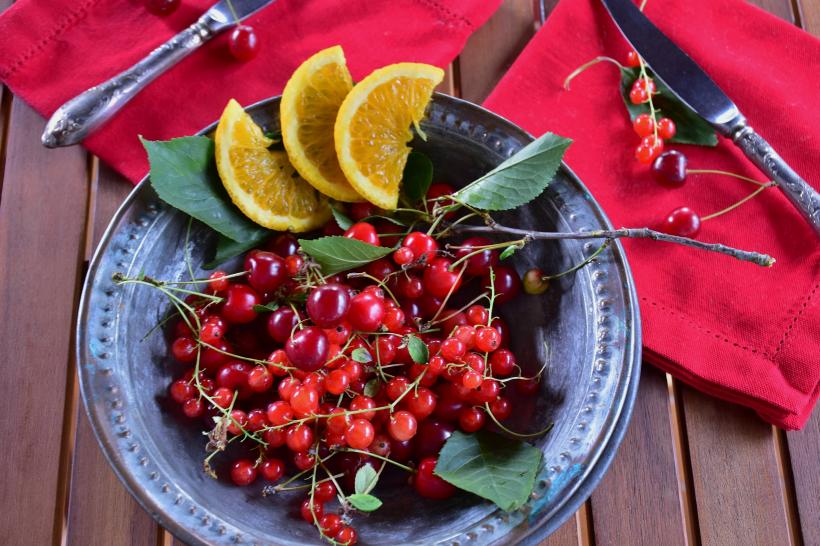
column 491, row 466
column 509, row 251
column 300, row 297
column 371, row 388
column 404, row 220
column 690, row 128
column 418, row 350
column 364, row 478
column 337, row 254
column 418, row 175
column 265, row 308
column 361, row 356
column 365, row 503
column 278, row 143
column 227, row 248
column 183, row 173
column 341, row 218
column 519, row 179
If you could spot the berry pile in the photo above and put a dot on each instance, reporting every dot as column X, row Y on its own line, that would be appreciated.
column 341, row 372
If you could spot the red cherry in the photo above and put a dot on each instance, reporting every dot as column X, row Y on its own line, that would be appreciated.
column 507, row 283
column 233, row 376
column 161, row 7
column 281, row 324
column 669, row 169
column 440, row 190
column 239, row 302
column 328, row 305
column 438, row 280
column 478, row 264
column 363, row 232
column 308, row 349
column 366, row 312
column 682, row 222
column 644, row 125
column 360, row 211
column 267, row 271
column 429, row 485
column 421, row 244
column 633, row 59
column 430, row 438
column 283, row 245
column 243, row 43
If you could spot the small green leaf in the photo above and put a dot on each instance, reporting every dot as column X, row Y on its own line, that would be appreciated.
column 371, row 388
column 227, row 248
column 278, row 143
column 341, row 218
column 365, row 503
column 361, row 356
column 690, row 128
column 183, row 173
column 404, row 220
column 418, row 175
column 274, row 136
column 300, row 297
column 265, row 308
column 365, row 479
column 519, row 179
column 491, row 466
column 509, row 251
column 418, row 350
column 337, row 254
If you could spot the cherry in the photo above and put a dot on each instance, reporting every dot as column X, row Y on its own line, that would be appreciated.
column 507, row 283
column 501, row 408
column 161, row 7
column 314, row 512
column 362, row 402
column 360, row 211
column 184, row 349
column 401, row 451
column 535, row 281
column 429, row 485
column 260, row 379
column 346, row 537
column 283, row 245
column 304, row 399
column 218, row 282
column 239, row 302
column 471, row 419
column 281, row 323
column 439, row 280
column 448, row 406
column 328, row 305
column 682, row 222
column 267, row 271
column 411, row 286
column 359, row 434
column 421, row 403
column 430, row 438
column 243, row 472
column 440, row 190
column 633, row 59
column 275, row 437
column 193, row 407
column 332, row 229
column 528, row 386
column 477, row 315
column 669, row 169
column 429, row 305
column 299, row 437
column 478, row 264
column 181, row 391
column 366, row 312
column 644, row 125
column 324, row 492
column 379, row 269
column 384, row 227
column 243, row 43
column 233, row 376
column 666, row 128
column 502, row 327
column 363, row 232
column 330, row 524
column 308, row 349
column 402, row 425
column 272, row 469
column 422, row 245
column 293, row 263
column 638, row 95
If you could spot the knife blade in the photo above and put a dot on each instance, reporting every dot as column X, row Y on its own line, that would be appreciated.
column 90, row 110
column 687, row 80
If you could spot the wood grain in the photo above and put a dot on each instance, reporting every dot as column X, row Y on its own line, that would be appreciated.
column 780, row 8
column 642, row 481
column 734, row 468
column 566, row 535
column 493, row 48
column 42, row 214
column 804, row 448
column 100, row 510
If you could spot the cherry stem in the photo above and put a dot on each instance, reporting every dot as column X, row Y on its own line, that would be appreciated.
column 450, row 293
column 727, row 209
column 480, row 249
column 583, row 67
column 482, row 295
column 235, row 18
column 508, row 431
column 710, row 171
column 407, row 468
column 580, row 265
column 763, row 260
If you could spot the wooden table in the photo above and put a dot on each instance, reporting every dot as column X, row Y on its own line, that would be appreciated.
column 692, row 469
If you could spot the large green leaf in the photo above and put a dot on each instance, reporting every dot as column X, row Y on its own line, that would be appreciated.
column 690, row 128
column 519, row 179
column 491, row 466
column 337, row 254
column 184, row 175
column 227, row 248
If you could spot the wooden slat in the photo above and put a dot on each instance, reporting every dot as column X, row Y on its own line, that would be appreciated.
column 639, row 499
column 804, row 449
column 780, row 8
column 492, row 49
column 448, row 84
column 42, row 214
column 101, row 511
column 566, row 535
column 734, row 469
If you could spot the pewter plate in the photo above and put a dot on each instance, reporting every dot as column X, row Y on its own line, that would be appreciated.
column 590, row 320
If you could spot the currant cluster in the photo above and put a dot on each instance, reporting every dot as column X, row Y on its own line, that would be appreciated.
column 654, row 131
column 324, row 375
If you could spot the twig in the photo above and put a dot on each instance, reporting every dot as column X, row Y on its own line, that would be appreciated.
column 756, row 258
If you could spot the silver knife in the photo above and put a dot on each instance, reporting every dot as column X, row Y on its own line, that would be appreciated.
column 690, row 83
column 87, row 112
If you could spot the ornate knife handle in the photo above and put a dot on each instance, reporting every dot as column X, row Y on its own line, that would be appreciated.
column 802, row 196
column 87, row 112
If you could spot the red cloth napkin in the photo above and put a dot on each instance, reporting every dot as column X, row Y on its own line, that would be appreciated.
column 52, row 51
column 735, row 330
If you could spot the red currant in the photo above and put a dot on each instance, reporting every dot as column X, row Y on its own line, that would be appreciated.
column 257, row 420
column 304, row 399
column 239, row 419
column 184, row 349
column 359, row 434
column 234, row 375
column 467, row 335
column 346, row 537
column 633, row 59
column 439, row 280
column 403, row 256
column 279, row 362
column 478, row 264
column 213, row 328
column 507, row 283
column 453, row 349
column 223, row 397
column 488, row 339
column 471, row 380
column 666, row 128
column 397, row 386
column 243, row 43
column 272, row 469
column 682, row 222
column 644, row 125
column 260, row 379
column 330, row 524
column 528, row 386
column 293, row 263
column 645, row 84
column 181, row 391
column 218, row 281
column 393, row 319
column 402, row 426
column 638, row 95
column 287, row 386
column 422, row 403
column 312, row 513
column 304, row 460
column 362, row 402
column 324, row 492
column 477, row 316
column 669, row 169
column 243, row 472
column 471, row 419
column 193, row 407
column 353, row 369
column 299, row 437
column 429, row 485
column 275, row 437
column 502, row 362
column 501, row 408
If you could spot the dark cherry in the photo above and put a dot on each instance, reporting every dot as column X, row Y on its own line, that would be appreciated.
column 429, row 304
column 430, row 437
column 328, row 305
column 682, row 222
column 669, row 169
column 234, row 375
column 448, row 407
column 283, row 245
column 412, row 310
column 440, row 190
column 481, row 263
column 244, row 43
column 267, row 271
column 503, row 329
column 212, row 360
column 360, row 211
column 332, row 229
column 429, row 485
column 507, row 283
column 380, row 268
column 401, row 451
column 239, row 302
column 386, row 226
column 281, row 323
column 161, row 7
column 308, row 349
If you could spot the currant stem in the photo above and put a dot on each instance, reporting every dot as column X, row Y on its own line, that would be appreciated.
column 351, row 450
column 727, row 209
column 580, row 265
column 508, row 431
column 710, row 171
column 583, row 67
